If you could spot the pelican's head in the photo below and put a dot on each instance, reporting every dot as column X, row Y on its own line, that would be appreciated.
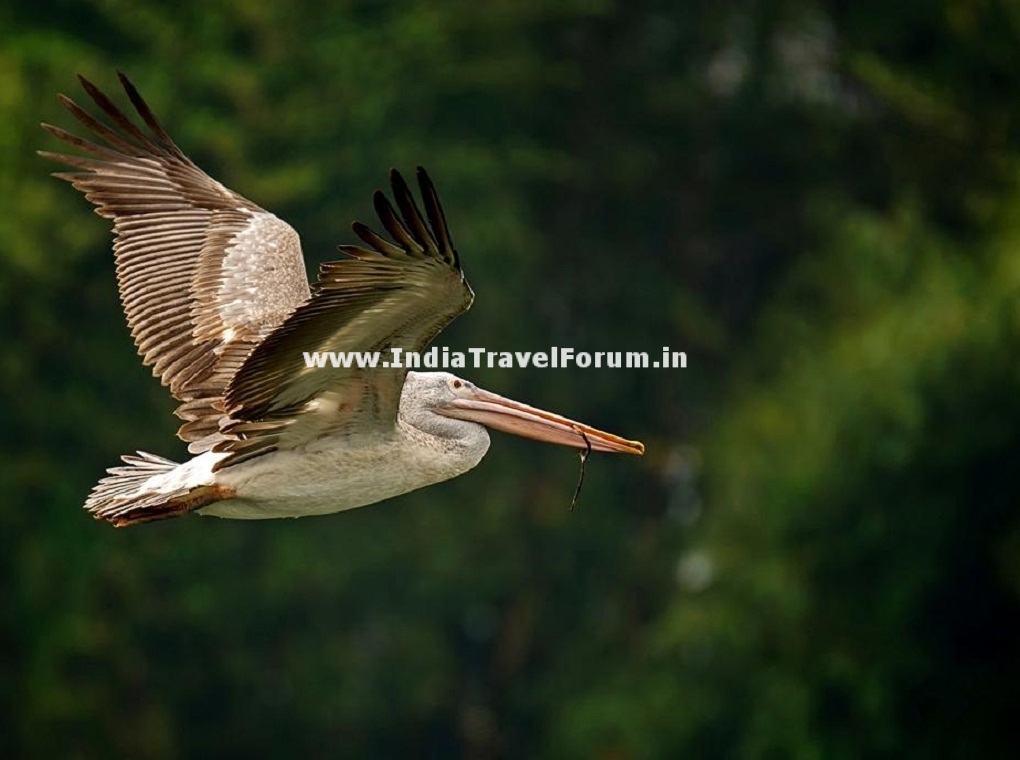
column 447, row 398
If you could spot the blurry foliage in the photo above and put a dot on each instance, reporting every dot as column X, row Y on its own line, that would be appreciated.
column 818, row 557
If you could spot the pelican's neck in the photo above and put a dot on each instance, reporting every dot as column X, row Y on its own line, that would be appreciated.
column 461, row 444
column 460, row 441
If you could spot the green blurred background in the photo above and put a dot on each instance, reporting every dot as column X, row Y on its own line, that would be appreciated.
column 818, row 557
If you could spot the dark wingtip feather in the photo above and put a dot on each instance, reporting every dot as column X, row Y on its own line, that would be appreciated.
column 79, row 142
column 69, row 176
column 63, row 158
column 87, row 85
column 116, row 140
column 424, row 180
column 391, row 221
column 398, row 184
column 437, row 219
column 110, row 108
column 412, row 216
column 379, row 243
column 353, row 251
column 147, row 115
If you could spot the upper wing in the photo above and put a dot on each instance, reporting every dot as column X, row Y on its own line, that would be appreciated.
column 204, row 274
column 392, row 295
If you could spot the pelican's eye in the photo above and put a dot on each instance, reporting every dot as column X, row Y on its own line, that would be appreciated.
column 457, row 383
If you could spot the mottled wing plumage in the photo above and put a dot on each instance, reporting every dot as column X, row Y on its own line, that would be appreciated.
column 392, row 294
column 204, row 274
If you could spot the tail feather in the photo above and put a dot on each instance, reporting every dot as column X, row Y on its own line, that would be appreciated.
column 123, row 498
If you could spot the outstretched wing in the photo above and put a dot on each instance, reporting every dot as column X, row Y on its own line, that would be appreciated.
column 397, row 294
column 204, row 274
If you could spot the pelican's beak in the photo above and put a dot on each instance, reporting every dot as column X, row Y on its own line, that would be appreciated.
column 510, row 416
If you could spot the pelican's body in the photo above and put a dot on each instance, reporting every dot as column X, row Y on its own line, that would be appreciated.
column 215, row 292
column 334, row 473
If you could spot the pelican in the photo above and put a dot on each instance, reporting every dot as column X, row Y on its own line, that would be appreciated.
column 219, row 305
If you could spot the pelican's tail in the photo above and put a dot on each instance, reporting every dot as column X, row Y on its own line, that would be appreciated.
column 138, row 492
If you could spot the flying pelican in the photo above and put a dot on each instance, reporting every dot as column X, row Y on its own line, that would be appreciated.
column 218, row 302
